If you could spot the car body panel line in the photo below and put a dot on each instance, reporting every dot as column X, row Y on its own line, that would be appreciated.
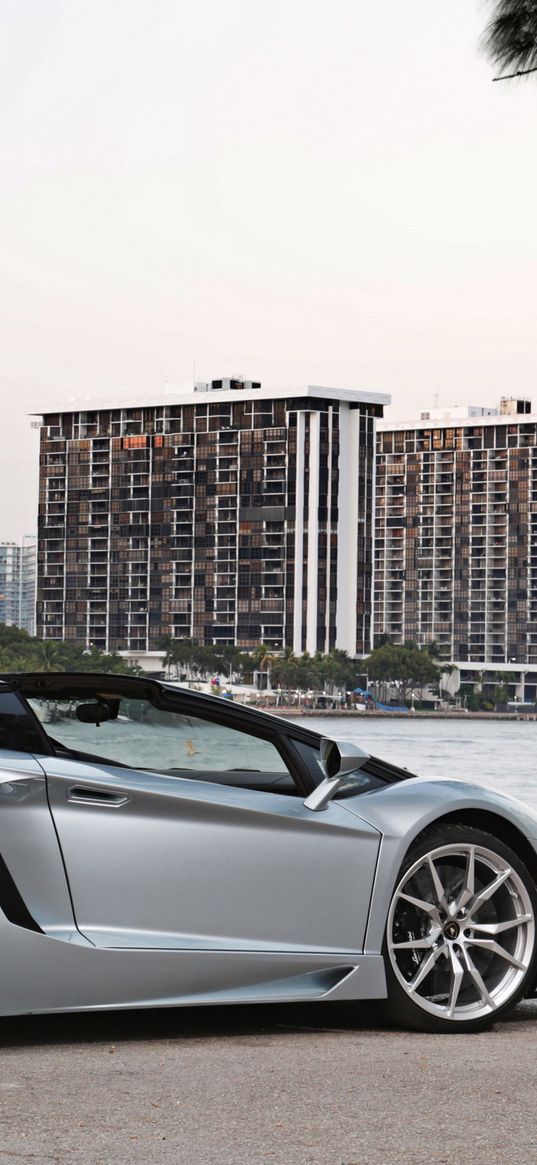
column 160, row 941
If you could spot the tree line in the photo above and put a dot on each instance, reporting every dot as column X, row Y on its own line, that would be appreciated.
column 186, row 659
column 402, row 674
column 405, row 668
column 404, row 671
column 20, row 652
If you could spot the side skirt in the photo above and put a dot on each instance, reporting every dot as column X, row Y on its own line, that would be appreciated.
column 45, row 974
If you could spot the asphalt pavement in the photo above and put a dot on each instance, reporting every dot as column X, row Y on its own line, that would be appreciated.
column 285, row 1085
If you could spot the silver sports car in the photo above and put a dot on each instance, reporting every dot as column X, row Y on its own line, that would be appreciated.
column 159, row 847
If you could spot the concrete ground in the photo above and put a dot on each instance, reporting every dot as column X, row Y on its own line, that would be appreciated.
column 286, row 1085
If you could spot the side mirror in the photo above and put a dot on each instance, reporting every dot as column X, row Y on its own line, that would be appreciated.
column 338, row 760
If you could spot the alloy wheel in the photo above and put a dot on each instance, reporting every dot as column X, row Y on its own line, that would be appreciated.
column 461, row 932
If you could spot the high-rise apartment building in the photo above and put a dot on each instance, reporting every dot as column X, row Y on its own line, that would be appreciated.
column 228, row 514
column 456, row 533
column 17, row 584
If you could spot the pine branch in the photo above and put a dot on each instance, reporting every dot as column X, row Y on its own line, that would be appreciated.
column 519, row 73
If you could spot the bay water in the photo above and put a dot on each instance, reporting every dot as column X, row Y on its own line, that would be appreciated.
column 501, row 753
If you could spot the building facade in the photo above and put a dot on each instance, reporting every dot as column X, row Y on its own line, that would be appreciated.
column 18, row 584
column 229, row 514
column 456, row 534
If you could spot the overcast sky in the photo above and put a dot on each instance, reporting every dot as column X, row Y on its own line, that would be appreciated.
column 317, row 191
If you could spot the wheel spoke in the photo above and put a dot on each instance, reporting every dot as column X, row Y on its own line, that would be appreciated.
column 457, row 972
column 429, row 908
column 426, row 966
column 478, row 980
column 437, row 884
column 417, row 944
column 488, row 891
column 468, row 889
column 499, row 927
column 488, row 944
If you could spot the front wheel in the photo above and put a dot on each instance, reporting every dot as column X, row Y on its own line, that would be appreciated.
column 460, row 945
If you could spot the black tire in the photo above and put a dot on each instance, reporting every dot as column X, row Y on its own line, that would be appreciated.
column 460, row 946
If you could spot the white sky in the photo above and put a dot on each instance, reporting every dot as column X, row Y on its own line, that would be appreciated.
column 322, row 191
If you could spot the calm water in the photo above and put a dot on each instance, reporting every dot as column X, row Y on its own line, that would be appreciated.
column 493, row 752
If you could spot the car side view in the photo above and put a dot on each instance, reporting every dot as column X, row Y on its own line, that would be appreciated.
column 160, row 847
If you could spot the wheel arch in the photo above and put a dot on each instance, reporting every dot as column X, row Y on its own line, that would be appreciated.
column 490, row 822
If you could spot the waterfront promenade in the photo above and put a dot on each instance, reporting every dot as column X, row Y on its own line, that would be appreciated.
column 352, row 713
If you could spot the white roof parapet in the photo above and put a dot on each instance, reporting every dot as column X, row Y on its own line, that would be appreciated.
column 187, row 396
column 386, row 426
column 457, row 412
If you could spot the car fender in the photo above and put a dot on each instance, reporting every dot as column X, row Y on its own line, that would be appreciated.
column 404, row 810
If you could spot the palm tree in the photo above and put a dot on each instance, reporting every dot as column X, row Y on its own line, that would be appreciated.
column 285, row 669
column 167, row 645
column 510, row 37
column 48, row 655
column 230, row 658
column 263, row 659
column 308, row 674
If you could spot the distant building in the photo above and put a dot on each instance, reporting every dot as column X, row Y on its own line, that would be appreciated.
column 228, row 514
column 17, row 584
column 456, row 534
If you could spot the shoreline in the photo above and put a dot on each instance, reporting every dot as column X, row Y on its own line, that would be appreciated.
column 346, row 713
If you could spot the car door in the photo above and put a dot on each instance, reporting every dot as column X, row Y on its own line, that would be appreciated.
column 186, row 856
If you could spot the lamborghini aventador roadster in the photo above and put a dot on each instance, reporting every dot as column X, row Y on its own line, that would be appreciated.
column 160, row 847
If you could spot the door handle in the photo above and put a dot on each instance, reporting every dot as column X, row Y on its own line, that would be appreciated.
column 84, row 795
